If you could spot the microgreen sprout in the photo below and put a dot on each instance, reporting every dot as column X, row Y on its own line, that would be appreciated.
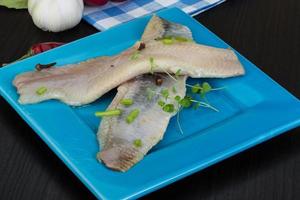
column 196, row 88
column 135, row 55
column 177, row 73
column 161, row 103
column 152, row 65
column 178, row 121
column 165, row 93
column 186, row 102
column 150, row 93
column 174, row 90
column 169, row 108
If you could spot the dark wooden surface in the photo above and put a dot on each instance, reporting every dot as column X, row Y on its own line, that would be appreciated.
column 265, row 31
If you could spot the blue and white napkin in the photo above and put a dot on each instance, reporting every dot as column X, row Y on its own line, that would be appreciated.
column 112, row 14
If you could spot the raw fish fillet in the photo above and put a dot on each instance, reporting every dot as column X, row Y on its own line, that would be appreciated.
column 84, row 82
column 117, row 137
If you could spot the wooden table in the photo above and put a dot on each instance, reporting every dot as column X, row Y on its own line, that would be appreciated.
column 265, row 31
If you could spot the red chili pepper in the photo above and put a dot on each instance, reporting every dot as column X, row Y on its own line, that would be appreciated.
column 42, row 47
column 39, row 48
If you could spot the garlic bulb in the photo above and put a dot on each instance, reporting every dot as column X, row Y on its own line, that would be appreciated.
column 55, row 15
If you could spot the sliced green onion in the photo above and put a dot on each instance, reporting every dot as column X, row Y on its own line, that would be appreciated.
column 132, row 116
column 137, row 143
column 169, row 108
column 182, row 39
column 126, row 102
column 167, row 41
column 171, row 40
column 108, row 113
column 41, row 91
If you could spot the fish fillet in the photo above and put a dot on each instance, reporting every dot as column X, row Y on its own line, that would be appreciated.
column 82, row 83
column 116, row 136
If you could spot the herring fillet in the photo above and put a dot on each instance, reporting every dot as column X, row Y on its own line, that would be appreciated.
column 116, row 136
column 82, row 83
column 121, row 154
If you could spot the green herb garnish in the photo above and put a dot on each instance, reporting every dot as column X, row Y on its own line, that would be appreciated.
column 205, row 89
column 108, row 113
column 152, row 64
column 41, row 90
column 168, row 41
column 177, row 98
column 150, row 94
column 177, row 73
column 196, row 105
column 174, row 90
column 161, row 103
column 169, row 108
column 126, row 102
column 178, row 121
column 135, row 55
column 137, row 143
column 196, row 88
column 182, row 39
column 165, row 93
column 186, row 102
column 132, row 116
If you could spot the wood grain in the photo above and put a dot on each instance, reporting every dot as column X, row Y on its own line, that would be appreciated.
column 267, row 32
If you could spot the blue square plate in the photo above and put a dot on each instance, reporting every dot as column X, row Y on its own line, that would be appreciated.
column 253, row 108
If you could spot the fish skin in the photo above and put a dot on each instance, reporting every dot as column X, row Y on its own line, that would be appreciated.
column 116, row 136
column 83, row 83
column 159, row 28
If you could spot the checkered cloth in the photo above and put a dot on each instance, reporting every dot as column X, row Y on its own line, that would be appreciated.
column 104, row 17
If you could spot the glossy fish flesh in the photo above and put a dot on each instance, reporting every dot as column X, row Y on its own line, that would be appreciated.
column 117, row 138
column 82, row 83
